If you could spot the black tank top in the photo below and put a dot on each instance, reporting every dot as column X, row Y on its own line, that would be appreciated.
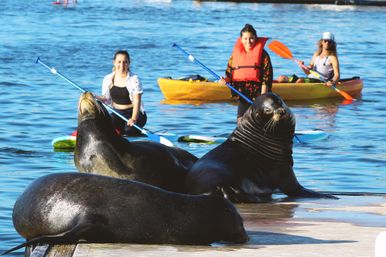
column 120, row 95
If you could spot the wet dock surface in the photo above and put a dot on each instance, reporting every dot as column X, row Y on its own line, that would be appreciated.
column 320, row 227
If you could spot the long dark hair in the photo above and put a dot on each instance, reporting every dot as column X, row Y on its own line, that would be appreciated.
column 124, row 52
column 248, row 28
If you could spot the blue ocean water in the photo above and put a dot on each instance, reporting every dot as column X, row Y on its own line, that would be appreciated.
column 80, row 40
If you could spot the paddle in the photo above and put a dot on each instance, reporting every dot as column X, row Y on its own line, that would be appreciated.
column 284, row 52
column 151, row 136
column 191, row 58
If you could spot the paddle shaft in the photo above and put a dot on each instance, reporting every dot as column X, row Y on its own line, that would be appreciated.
column 316, row 74
column 55, row 72
column 193, row 59
column 283, row 51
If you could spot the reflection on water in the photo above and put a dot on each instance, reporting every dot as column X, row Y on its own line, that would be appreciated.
column 195, row 102
column 326, row 113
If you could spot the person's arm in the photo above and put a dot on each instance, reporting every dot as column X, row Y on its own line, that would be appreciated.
column 136, row 90
column 335, row 65
column 228, row 73
column 310, row 66
column 267, row 74
column 312, row 63
column 136, row 108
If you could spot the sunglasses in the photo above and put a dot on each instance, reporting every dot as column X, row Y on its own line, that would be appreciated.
column 327, row 41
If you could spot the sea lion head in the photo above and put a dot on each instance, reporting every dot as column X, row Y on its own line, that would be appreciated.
column 269, row 115
column 272, row 110
column 91, row 109
column 234, row 230
column 267, row 128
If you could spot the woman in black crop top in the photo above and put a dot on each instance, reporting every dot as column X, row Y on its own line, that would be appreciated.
column 123, row 90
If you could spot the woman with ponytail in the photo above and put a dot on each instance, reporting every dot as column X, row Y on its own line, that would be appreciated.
column 249, row 68
column 122, row 89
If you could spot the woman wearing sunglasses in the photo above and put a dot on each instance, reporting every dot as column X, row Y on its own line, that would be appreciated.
column 325, row 61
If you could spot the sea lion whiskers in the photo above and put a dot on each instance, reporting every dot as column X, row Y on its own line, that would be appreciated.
column 271, row 125
column 278, row 114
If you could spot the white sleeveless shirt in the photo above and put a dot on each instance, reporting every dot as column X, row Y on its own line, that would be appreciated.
column 324, row 67
column 133, row 85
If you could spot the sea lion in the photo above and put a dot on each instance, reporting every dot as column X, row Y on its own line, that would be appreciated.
column 255, row 160
column 100, row 150
column 66, row 208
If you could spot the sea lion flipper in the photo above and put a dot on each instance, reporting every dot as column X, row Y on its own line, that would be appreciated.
column 28, row 243
column 313, row 194
column 301, row 191
column 14, row 248
column 83, row 224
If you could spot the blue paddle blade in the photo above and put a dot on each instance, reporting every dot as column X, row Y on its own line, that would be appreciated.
column 159, row 139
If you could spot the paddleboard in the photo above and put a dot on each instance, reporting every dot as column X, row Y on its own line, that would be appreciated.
column 64, row 142
column 308, row 136
column 301, row 137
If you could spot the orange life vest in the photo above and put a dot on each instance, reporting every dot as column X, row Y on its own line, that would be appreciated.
column 247, row 66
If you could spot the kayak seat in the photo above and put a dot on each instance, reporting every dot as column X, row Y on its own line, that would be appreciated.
column 194, row 77
column 348, row 79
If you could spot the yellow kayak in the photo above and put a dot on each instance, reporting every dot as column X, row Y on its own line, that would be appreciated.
column 181, row 90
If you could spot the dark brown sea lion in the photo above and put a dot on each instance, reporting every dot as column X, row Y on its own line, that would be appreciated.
column 100, row 150
column 66, row 208
column 255, row 160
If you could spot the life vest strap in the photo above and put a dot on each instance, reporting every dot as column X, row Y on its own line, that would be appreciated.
column 247, row 80
column 245, row 66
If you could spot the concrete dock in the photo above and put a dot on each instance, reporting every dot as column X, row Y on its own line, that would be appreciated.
column 310, row 227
